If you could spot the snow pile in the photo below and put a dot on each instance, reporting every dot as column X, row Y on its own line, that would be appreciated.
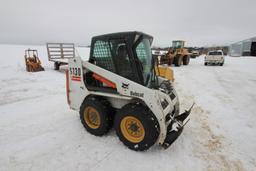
column 38, row 131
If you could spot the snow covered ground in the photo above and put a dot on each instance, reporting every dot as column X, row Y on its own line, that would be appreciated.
column 38, row 131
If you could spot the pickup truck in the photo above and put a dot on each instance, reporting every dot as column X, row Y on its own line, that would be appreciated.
column 214, row 57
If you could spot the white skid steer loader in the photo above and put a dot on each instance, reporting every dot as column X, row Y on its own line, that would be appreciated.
column 119, row 86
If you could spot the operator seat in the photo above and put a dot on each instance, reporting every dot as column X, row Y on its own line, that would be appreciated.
column 122, row 62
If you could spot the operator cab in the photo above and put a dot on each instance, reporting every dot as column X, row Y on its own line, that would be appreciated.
column 177, row 44
column 127, row 54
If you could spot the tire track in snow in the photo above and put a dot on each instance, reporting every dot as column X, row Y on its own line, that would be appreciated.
column 213, row 149
column 98, row 162
column 210, row 147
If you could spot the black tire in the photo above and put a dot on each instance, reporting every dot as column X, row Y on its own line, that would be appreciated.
column 171, row 61
column 104, row 113
column 186, row 60
column 177, row 61
column 56, row 65
column 221, row 64
column 205, row 63
column 29, row 68
column 146, row 118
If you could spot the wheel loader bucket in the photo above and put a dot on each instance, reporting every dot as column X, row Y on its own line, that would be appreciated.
column 33, row 64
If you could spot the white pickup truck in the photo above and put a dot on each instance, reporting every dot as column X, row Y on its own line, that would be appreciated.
column 214, row 57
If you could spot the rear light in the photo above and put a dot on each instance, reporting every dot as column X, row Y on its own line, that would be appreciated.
column 67, row 86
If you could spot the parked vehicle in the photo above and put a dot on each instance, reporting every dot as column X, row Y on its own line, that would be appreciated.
column 214, row 57
column 194, row 54
column 32, row 61
column 60, row 53
column 176, row 55
column 120, row 86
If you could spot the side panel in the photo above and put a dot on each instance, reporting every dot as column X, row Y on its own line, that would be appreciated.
column 77, row 89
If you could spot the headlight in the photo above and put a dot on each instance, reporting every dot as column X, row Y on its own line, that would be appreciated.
column 164, row 103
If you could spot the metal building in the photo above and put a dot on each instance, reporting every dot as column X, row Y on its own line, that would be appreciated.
column 243, row 48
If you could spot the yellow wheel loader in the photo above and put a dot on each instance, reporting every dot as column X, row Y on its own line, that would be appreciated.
column 176, row 55
column 119, row 87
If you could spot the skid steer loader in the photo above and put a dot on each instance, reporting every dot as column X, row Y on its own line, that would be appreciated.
column 119, row 87
column 33, row 64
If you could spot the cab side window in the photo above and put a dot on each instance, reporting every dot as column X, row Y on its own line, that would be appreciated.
column 103, row 56
column 112, row 55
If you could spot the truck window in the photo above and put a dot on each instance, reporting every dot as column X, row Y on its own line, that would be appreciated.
column 215, row 53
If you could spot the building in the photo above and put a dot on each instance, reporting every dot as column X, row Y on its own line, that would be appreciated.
column 243, row 48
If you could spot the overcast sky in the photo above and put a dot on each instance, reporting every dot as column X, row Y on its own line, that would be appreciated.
column 199, row 22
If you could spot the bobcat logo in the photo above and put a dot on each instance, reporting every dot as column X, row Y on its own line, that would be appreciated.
column 133, row 93
column 125, row 86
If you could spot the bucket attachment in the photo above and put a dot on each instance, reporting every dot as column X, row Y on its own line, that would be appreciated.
column 175, row 128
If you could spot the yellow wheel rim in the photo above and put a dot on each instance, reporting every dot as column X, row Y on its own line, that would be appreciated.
column 92, row 117
column 132, row 129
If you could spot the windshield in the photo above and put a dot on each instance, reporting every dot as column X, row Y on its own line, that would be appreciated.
column 215, row 53
column 177, row 44
column 143, row 52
